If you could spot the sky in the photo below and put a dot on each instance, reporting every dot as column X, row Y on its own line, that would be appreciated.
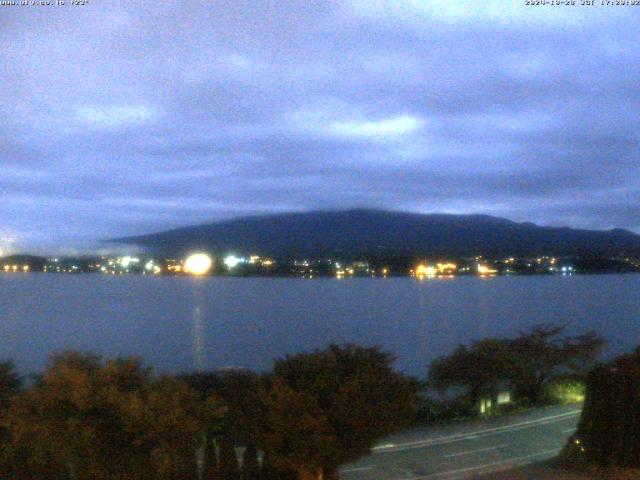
column 123, row 118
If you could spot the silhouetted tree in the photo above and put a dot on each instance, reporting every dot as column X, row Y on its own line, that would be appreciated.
column 297, row 437
column 244, row 417
column 241, row 413
column 94, row 419
column 526, row 362
column 480, row 368
column 608, row 430
column 542, row 353
column 328, row 408
column 10, row 384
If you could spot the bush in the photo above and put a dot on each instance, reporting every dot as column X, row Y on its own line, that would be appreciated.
column 608, row 431
column 436, row 411
column 564, row 391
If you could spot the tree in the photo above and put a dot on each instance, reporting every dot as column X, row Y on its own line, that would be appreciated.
column 10, row 384
column 167, row 421
column 526, row 362
column 328, row 408
column 542, row 353
column 479, row 368
column 297, row 437
column 240, row 412
column 85, row 412
column 241, row 394
column 608, row 430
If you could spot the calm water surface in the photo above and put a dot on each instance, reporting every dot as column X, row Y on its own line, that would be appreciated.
column 178, row 323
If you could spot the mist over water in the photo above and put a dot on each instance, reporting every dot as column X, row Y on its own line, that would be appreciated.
column 186, row 323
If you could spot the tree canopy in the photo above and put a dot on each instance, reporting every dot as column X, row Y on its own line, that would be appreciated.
column 525, row 362
column 608, row 430
column 10, row 383
column 543, row 352
column 85, row 412
column 329, row 407
column 480, row 368
column 312, row 414
column 88, row 417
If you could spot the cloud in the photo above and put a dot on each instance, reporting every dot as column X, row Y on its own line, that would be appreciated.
column 115, row 116
column 386, row 128
column 138, row 119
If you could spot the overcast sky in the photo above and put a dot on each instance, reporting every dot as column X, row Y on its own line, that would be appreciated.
column 128, row 118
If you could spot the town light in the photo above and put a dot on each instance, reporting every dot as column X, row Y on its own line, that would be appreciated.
column 486, row 270
column 231, row 261
column 426, row 271
column 198, row 264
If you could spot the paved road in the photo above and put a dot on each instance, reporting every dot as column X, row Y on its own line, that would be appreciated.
column 465, row 450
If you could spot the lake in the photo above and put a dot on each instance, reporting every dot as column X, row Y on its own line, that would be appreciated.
column 185, row 323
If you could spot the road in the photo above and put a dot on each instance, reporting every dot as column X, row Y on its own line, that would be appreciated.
column 464, row 450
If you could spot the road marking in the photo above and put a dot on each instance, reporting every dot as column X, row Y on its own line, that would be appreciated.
column 478, row 450
column 472, row 435
column 569, row 430
column 386, row 445
column 355, row 469
column 514, row 460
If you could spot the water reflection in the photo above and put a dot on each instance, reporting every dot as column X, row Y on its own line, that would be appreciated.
column 197, row 324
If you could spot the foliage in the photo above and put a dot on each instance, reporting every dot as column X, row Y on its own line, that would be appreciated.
column 85, row 412
column 236, row 416
column 297, row 437
column 526, row 362
column 564, row 390
column 541, row 353
column 480, row 368
column 608, row 430
column 10, row 383
column 433, row 410
column 237, row 394
column 87, row 417
column 241, row 393
column 328, row 408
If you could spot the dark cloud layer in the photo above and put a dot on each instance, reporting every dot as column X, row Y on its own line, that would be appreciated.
column 125, row 118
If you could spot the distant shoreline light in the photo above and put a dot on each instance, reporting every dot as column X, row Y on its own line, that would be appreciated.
column 232, row 261
column 198, row 264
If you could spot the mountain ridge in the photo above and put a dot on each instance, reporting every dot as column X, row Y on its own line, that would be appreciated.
column 370, row 233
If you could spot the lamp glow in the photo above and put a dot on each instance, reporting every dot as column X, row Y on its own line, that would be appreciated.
column 232, row 261
column 426, row 271
column 198, row 264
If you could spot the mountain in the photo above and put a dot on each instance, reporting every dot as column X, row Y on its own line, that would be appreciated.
column 382, row 234
column 23, row 260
